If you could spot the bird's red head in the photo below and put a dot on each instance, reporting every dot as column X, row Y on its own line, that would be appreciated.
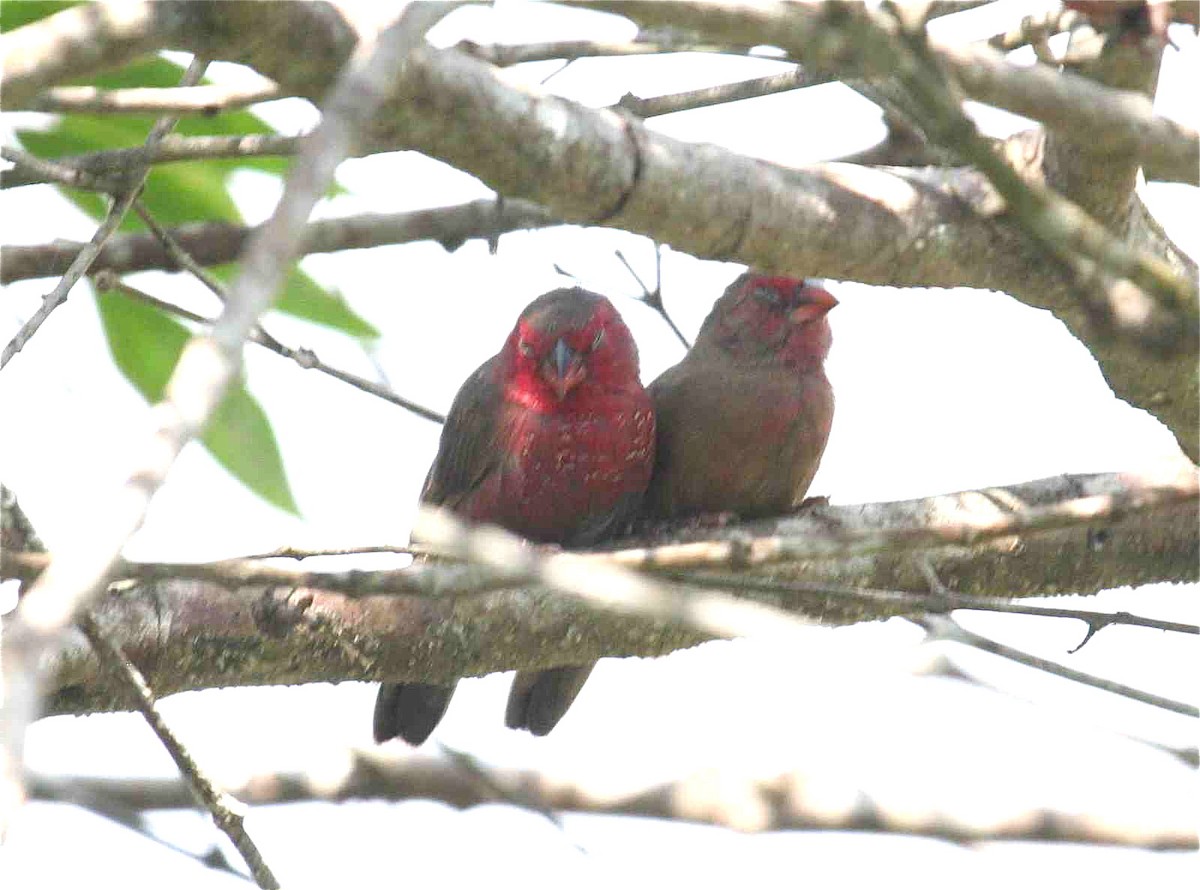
column 567, row 345
column 773, row 318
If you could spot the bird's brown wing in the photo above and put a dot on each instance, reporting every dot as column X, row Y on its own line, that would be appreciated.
column 467, row 455
column 468, row 450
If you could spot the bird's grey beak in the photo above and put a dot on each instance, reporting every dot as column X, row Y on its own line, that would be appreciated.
column 562, row 355
column 563, row 369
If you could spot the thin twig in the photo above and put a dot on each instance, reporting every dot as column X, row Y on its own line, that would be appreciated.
column 57, row 171
column 941, row 627
column 113, row 162
column 654, row 106
column 940, row 602
column 654, row 298
column 226, row 812
column 116, row 213
column 302, row 356
column 302, row 553
column 503, row 55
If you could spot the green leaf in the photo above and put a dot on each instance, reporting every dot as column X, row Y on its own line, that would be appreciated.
column 303, row 298
column 146, row 344
column 14, row 15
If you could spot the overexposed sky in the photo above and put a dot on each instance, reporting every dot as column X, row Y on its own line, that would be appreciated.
column 937, row 390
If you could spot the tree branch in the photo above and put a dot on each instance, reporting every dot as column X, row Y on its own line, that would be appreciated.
column 212, row 244
column 257, row 625
column 779, row 803
column 112, row 164
column 208, row 99
column 829, row 35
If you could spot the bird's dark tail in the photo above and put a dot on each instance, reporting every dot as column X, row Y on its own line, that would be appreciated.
column 538, row 699
column 409, row 710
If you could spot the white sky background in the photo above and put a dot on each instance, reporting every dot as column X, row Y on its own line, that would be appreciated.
column 937, row 390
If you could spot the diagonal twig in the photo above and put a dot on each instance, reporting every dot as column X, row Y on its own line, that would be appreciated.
column 941, row 627
column 654, row 298
column 302, row 356
column 226, row 812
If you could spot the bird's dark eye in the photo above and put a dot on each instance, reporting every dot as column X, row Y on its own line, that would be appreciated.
column 768, row 295
column 598, row 339
column 525, row 349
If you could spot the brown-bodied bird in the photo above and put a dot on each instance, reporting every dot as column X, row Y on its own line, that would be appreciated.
column 744, row 418
column 553, row 439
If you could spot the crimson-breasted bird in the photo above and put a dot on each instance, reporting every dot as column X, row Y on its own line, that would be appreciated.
column 553, row 439
column 744, row 418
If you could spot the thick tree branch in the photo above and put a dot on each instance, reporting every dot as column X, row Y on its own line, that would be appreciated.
column 1102, row 182
column 901, row 228
column 779, row 803
column 190, row 634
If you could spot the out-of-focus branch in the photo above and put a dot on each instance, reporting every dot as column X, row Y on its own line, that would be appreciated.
column 212, row 244
column 205, row 369
column 208, row 99
column 789, row 801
